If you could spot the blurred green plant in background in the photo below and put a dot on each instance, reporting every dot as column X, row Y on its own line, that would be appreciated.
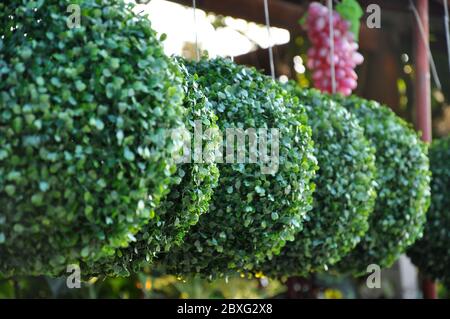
column 142, row 285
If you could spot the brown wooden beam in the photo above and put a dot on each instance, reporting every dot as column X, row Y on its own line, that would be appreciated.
column 422, row 79
column 283, row 14
column 423, row 101
column 435, row 6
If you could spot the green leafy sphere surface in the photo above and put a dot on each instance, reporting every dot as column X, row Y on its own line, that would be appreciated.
column 190, row 194
column 432, row 253
column 344, row 196
column 253, row 213
column 403, row 187
column 84, row 159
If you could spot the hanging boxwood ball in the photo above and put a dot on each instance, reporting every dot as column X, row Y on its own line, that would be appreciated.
column 344, row 196
column 253, row 212
column 432, row 253
column 84, row 159
column 403, row 193
column 189, row 197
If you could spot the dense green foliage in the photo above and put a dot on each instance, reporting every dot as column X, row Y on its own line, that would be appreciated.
column 432, row 253
column 88, row 171
column 253, row 213
column 403, row 191
column 188, row 198
column 344, row 196
column 84, row 159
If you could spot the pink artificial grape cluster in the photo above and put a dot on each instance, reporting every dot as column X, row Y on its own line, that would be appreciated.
column 346, row 57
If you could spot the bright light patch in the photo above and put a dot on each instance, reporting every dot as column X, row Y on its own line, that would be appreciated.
column 235, row 38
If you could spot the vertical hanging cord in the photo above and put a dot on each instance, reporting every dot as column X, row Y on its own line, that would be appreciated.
column 331, row 26
column 272, row 65
column 430, row 56
column 197, row 53
column 447, row 30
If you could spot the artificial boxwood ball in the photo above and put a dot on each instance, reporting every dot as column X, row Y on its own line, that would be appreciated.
column 253, row 212
column 84, row 159
column 344, row 196
column 432, row 253
column 189, row 196
column 403, row 187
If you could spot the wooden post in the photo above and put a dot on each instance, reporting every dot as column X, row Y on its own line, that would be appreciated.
column 423, row 100
column 422, row 74
column 429, row 289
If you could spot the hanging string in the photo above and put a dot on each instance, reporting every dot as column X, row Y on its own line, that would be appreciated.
column 447, row 30
column 331, row 30
column 424, row 39
column 197, row 52
column 266, row 13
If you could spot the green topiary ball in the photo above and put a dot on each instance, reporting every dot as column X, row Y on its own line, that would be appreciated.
column 254, row 211
column 432, row 253
column 403, row 190
column 344, row 196
column 84, row 159
column 189, row 197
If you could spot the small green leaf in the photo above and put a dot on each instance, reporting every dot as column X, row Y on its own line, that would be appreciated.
column 50, row 35
column 85, row 252
column 37, row 199
column 114, row 63
column 351, row 11
column 19, row 67
column 25, row 53
column 43, row 186
column 18, row 228
column 17, row 124
column 128, row 154
column 80, row 86
column 303, row 19
column 55, row 81
column 10, row 190
column 40, row 81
